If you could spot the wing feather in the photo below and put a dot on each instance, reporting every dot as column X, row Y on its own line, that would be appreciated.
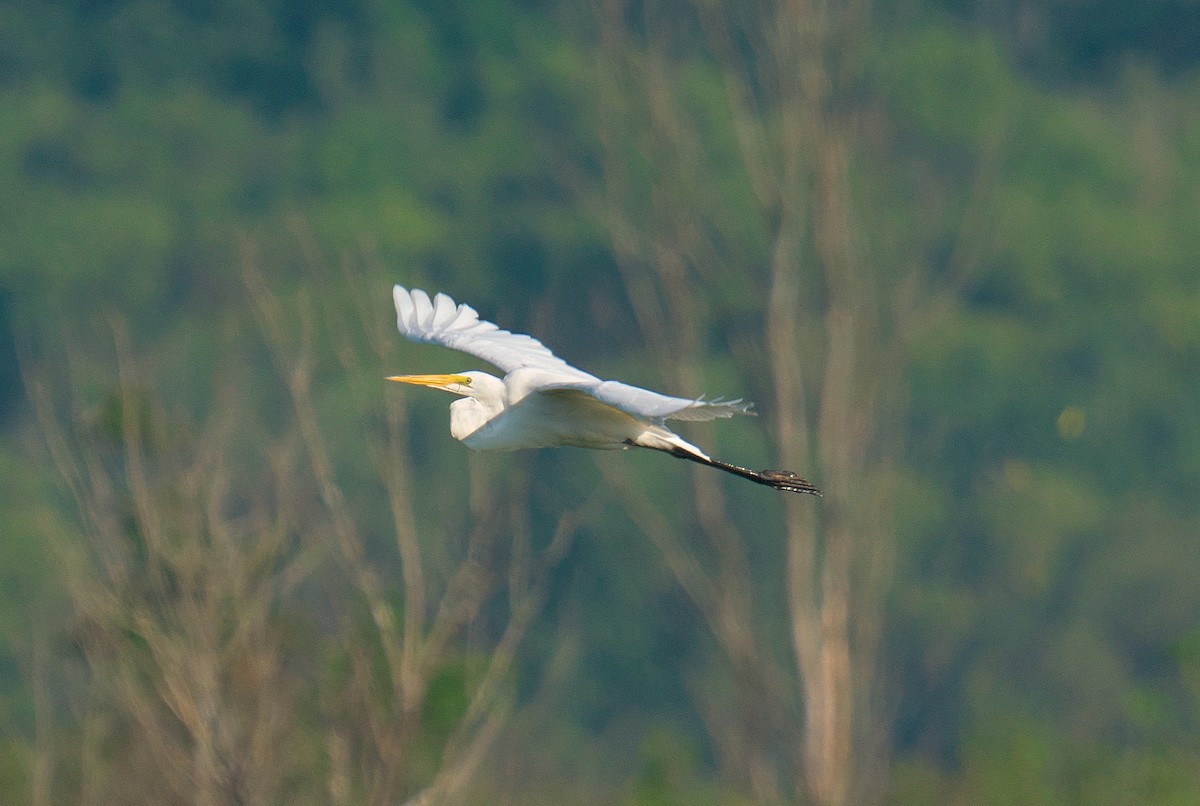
column 655, row 406
column 404, row 309
column 460, row 328
column 444, row 310
column 440, row 321
column 422, row 307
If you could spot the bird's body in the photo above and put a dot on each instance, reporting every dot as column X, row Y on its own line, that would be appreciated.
column 543, row 420
column 544, row 402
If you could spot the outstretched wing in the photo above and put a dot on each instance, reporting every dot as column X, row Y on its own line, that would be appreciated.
column 441, row 321
column 654, row 406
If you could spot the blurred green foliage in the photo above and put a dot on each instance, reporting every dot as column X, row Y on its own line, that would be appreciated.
column 1041, row 642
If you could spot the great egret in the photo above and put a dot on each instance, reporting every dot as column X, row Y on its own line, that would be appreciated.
column 543, row 401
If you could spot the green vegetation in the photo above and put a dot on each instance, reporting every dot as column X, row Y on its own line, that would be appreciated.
column 236, row 568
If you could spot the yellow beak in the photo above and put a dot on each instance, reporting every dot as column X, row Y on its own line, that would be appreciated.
column 434, row 381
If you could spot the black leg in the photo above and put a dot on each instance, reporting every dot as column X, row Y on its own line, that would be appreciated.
column 777, row 479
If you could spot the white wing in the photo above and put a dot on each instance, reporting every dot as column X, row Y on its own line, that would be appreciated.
column 441, row 321
column 654, row 406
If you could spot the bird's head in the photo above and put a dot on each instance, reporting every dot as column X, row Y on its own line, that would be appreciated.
column 464, row 384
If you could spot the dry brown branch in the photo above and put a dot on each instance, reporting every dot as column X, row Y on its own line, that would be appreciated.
column 296, row 369
column 783, row 65
column 209, row 678
column 156, row 587
column 437, row 618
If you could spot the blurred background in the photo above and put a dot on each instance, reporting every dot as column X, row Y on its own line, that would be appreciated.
column 948, row 248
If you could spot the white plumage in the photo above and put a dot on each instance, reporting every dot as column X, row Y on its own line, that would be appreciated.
column 543, row 401
column 440, row 321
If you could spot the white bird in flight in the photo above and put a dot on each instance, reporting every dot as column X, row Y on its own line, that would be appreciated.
column 543, row 401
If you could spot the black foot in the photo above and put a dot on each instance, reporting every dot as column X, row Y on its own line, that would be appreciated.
column 787, row 480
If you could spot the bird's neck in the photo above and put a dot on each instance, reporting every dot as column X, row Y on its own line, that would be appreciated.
column 468, row 415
